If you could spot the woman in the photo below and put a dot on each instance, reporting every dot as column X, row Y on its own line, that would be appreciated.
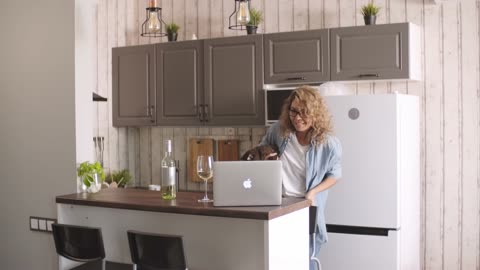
column 310, row 155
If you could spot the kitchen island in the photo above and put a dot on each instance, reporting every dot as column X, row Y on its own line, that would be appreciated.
column 256, row 238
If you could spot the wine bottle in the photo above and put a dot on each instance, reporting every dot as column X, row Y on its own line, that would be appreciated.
column 169, row 173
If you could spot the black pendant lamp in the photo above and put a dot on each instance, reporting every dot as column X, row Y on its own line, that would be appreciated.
column 240, row 16
column 153, row 25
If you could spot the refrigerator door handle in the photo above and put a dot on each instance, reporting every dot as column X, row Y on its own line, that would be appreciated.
column 331, row 228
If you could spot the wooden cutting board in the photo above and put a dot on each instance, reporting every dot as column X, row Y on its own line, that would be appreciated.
column 227, row 150
column 197, row 147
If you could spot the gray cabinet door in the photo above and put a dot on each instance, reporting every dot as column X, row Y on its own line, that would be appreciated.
column 179, row 82
column 133, row 93
column 234, row 80
column 297, row 57
column 370, row 52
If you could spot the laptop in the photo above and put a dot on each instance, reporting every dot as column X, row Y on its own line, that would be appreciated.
column 247, row 183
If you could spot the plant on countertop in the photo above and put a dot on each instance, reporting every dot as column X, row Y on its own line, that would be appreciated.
column 256, row 17
column 370, row 10
column 86, row 171
column 118, row 178
column 172, row 28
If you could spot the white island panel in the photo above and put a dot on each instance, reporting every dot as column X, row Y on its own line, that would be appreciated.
column 210, row 242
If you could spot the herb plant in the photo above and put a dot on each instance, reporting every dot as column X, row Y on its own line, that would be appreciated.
column 172, row 28
column 87, row 172
column 256, row 17
column 370, row 9
column 121, row 178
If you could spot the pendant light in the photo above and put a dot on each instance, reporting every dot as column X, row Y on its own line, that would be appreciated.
column 240, row 16
column 153, row 25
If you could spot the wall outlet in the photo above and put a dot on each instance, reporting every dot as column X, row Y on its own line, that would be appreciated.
column 230, row 131
column 33, row 223
column 41, row 224
column 49, row 224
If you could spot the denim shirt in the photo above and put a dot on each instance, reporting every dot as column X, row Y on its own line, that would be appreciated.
column 322, row 161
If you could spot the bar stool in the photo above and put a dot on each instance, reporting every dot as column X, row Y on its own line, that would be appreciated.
column 79, row 243
column 156, row 251
column 313, row 233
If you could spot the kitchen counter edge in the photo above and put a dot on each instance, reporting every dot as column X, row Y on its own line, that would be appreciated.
column 185, row 203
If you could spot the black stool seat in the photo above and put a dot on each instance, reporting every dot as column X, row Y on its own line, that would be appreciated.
column 79, row 243
column 156, row 251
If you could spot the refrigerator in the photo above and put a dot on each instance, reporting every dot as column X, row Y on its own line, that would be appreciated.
column 373, row 212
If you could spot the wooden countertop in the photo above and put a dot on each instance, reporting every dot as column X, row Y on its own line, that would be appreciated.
column 186, row 203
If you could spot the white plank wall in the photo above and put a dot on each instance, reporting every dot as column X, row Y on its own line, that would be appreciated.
column 449, row 92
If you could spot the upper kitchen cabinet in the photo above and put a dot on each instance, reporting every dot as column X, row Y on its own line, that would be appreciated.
column 179, row 75
column 233, row 81
column 133, row 93
column 375, row 52
column 297, row 57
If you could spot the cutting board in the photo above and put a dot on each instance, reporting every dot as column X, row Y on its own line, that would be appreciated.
column 227, row 150
column 197, row 147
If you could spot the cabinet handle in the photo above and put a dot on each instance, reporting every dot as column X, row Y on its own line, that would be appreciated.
column 149, row 110
column 152, row 114
column 205, row 109
column 368, row 75
column 200, row 112
column 296, row 79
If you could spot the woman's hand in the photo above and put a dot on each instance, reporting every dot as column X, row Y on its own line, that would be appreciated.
column 311, row 197
column 324, row 185
column 271, row 156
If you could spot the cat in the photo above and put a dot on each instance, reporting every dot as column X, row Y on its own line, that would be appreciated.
column 261, row 152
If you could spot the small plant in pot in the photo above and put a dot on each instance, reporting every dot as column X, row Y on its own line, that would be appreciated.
column 369, row 13
column 172, row 31
column 256, row 17
column 118, row 178
column 91, row 176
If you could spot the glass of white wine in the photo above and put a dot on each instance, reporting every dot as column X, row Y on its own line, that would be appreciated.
column 205, row 171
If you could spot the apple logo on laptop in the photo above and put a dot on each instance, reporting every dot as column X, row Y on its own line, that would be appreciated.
column 247, row 184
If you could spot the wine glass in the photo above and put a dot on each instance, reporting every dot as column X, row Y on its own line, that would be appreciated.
column 205, row 171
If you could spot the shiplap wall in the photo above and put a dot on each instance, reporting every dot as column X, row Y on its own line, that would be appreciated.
column 450, row 114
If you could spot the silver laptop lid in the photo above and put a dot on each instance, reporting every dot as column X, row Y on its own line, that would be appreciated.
column 247, row 183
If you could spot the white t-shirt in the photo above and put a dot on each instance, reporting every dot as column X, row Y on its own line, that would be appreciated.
column 293, row 168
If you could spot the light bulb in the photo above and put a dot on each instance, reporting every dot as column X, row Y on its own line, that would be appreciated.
column 153, row 23
column 243, row 14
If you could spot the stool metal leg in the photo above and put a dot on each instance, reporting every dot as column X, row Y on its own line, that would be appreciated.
column 312, row 257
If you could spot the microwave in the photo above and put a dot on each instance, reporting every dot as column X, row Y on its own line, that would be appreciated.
column 273, row 103
column 276, row 94
column 274, row 97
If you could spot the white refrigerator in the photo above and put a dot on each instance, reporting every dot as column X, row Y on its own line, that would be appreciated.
column 373, row 212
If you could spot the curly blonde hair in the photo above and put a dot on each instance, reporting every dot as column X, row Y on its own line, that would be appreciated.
column 315, row 108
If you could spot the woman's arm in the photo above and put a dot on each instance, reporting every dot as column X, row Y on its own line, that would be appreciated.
column 324, row 185
column 333, row 173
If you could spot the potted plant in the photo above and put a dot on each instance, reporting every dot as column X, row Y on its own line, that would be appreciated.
column 91, row 176
column 118, row 178
column 172, row 31
column 256, row 17
column 369, row 13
